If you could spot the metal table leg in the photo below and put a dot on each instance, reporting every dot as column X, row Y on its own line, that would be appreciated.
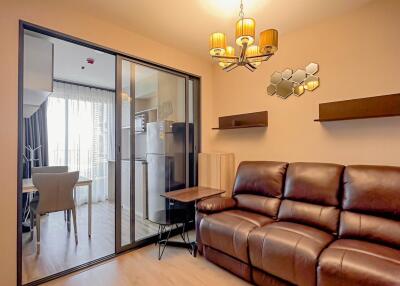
column 90, row 210
column 162, row 244
column 185, row 243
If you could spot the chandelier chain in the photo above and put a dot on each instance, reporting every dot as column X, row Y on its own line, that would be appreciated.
column 241, row 13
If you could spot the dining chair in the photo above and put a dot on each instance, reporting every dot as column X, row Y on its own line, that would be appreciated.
column 55, row 194
column 51, row 170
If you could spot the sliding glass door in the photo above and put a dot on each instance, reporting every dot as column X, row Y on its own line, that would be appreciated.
column 131, row 130
column 155, row 131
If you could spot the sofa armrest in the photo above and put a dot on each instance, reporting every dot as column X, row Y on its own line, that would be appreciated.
column 216, row 204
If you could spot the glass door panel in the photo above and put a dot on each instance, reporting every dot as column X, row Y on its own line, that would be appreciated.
column 127, row 140
column 153, row 146
column 160, row 139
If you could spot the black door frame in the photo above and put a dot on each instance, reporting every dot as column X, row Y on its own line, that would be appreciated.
column 24, row 25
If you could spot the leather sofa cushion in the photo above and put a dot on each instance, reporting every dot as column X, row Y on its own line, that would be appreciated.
column 231, row 264
column 288, row 251
column 228, row 231
column 371, row 228
column 264, row 279
column 359, row 263
column 372, row 189
column 263, row 205
column 317, row 183
column 322, row 217
column 262, row 178
column 216, row 204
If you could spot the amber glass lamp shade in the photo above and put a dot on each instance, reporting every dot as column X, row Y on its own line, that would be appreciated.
column 253, row 51
column 217, row 44
column 245, row 31
column 268, row 41
column 229, row 52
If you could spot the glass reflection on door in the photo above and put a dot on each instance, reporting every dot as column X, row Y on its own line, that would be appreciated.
column 153, row 125
column 126, row 158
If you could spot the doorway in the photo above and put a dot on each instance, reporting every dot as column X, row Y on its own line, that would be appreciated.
column 130, row 139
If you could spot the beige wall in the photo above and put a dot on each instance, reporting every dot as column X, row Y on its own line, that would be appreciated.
column 51, row 14
column 358, row 56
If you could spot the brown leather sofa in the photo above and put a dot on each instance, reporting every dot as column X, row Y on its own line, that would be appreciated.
column 306, row 224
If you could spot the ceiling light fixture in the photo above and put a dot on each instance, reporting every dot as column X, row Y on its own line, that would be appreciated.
column 251, row 55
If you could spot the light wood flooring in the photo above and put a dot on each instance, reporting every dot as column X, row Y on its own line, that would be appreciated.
column 142, row 268
column 58, row 250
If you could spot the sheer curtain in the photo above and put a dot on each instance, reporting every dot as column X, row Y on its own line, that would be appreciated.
column 81, row 132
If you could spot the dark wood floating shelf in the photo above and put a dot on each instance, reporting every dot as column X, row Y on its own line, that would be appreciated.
column 246, row 120
column 369, row 107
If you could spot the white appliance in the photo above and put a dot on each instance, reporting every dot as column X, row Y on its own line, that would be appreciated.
column 165, row 162
column 140, row 187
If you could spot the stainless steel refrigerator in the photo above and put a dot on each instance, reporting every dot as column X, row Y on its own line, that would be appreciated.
column 165, row 162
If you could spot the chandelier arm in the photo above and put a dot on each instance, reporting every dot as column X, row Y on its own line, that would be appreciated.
column 250, row 67
column 230, row 67
column 259, row 56
column 225, row 58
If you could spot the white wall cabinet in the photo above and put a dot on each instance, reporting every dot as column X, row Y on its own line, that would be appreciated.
column 38, row 72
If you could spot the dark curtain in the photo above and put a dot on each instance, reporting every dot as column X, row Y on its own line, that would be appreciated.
column 35, row 136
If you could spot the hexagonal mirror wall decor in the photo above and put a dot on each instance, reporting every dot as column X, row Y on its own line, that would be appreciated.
column 284, row 88
column 271, row 89
column 287, row 73
column 276, row 77
column 312, row 68
column 311, row 82
column 298, row 89
column 287, row 82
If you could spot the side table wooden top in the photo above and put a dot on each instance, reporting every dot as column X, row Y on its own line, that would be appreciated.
column 192, row 194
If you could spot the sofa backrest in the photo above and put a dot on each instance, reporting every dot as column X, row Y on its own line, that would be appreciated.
column 371, row 204
column 311, row 195
column 258, row 186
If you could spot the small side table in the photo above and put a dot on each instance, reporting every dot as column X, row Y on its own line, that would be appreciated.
column 167, row 220
column 174, row 217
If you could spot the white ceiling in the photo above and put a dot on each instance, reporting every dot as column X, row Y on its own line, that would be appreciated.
column 186, row 24
column 70, row 58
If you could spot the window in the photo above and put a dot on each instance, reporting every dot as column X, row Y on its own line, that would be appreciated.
column 80, row 122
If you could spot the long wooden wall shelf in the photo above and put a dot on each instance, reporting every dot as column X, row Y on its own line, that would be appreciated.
column 369, row 107
column 246, row 120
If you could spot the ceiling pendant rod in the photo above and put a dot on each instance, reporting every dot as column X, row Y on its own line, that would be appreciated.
column 241, row 13
column 242, row 56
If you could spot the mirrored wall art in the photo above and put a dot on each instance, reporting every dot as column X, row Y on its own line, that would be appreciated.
column 287, row 82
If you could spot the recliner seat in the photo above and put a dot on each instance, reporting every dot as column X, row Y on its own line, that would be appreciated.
column 308, row 219
column 256, row 199
column 367, row 252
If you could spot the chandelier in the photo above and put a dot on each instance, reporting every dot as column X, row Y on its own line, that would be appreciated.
column 251, row 55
